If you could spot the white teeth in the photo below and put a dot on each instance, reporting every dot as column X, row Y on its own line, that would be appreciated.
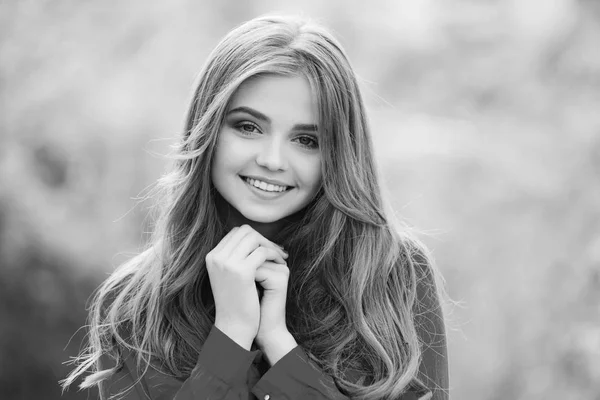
column 267, row 187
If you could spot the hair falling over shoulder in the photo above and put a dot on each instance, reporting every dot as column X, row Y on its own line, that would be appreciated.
column 346, row 250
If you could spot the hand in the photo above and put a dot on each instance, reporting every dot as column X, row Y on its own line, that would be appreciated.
column 231, row 267
column 273, row 277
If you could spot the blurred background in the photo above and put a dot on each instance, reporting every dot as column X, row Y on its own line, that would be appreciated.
column 486, row 121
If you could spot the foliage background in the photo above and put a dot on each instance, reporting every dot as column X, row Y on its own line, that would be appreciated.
column 487, row 128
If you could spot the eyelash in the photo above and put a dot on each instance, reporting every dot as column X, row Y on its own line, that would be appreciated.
column 314, row 145
column 240, row 127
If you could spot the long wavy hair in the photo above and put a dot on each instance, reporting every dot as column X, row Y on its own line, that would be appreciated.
column 347, row 252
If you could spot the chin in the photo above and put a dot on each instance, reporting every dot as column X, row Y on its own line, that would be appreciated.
column 263, row 219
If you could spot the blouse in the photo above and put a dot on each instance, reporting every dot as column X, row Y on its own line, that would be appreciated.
column 227, row 371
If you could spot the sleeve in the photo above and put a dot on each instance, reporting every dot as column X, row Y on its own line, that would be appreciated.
column 293, row 377
column 430, row 326
column 220, row 373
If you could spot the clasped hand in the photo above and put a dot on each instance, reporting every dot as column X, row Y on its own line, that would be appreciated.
column 241, row 259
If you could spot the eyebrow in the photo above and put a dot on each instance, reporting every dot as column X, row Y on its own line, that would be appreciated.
column 258, row 115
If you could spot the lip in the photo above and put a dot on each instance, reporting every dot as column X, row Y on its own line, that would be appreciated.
column 263, row 194
column 266, row 180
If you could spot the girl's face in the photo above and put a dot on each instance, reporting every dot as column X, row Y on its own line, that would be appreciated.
column 267, row 162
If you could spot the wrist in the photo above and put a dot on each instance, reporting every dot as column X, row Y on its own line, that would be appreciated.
column 237, row 335
column 275, row 347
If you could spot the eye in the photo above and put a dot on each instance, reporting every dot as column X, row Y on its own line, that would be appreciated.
column 247, row 128
column 309, row 142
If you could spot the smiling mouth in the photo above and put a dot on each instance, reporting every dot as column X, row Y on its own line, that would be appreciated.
column 265, row 187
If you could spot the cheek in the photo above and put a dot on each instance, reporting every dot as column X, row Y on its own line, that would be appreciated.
column 312, row 175
column 229, row 152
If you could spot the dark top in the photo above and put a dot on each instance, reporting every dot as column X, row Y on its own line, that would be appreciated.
column 227, row 371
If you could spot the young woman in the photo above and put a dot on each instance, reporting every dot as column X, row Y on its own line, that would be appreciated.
column 276, row 270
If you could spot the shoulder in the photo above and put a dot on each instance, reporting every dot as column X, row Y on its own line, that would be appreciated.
column 430, row 324
column 427, row 305
column 427, row 278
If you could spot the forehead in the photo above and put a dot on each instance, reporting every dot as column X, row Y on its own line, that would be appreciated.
column 278, row 95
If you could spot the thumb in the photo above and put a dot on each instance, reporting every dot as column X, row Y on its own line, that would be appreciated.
column 272, row 276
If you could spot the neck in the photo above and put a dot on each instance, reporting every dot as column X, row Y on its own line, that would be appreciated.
column 232, row 218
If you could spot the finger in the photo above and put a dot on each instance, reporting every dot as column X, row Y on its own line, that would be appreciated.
column 270, row 271
column 273, row 255
column 263, row 254
column 226, row 239
column 270, row 267
column 236, row 239
column 263, row 241
column 251, row 241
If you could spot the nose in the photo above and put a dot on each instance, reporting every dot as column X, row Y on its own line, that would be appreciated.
column 271, row 155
